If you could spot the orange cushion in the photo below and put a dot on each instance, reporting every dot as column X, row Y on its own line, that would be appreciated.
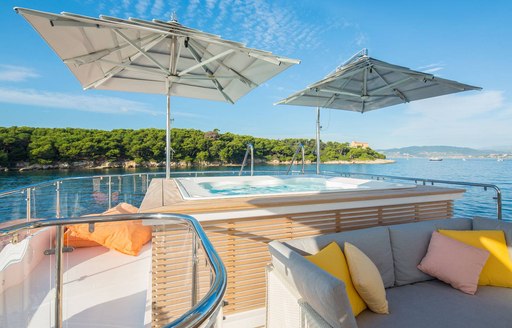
column 70, row 240
column 127, row 237
column 121, row 208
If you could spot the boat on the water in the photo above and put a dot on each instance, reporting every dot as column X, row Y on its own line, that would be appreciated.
column 435, row 159
column 186, row 249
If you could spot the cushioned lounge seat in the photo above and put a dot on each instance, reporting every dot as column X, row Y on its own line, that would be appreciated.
column 435, row 304
column 415, row 299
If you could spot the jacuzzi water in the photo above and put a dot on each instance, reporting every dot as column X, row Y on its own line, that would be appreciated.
column 249, row 186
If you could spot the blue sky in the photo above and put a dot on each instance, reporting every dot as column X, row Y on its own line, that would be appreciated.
column 468, row 41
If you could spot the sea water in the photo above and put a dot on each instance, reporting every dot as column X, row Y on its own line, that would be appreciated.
column 477, row 202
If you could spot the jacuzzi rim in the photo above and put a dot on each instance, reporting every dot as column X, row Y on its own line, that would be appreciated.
column 186, row 195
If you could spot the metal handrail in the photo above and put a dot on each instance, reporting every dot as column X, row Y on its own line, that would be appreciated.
column 300, row 147
column 54, row 181
column 27, row 189
column 198, row 314
column 250, row 150
column 424, row 181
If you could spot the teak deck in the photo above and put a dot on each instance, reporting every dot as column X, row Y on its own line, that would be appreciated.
column 240, row 228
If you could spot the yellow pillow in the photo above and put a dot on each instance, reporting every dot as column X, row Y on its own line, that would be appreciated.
column 367, row 279
column 497, row 270
column 332, row 260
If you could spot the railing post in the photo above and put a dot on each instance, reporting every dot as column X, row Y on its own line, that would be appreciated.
column 303, row 156
column 59, row 236
column 58, row 275
column 109, row 191
column 29, row 206
column 498, row 203
column 249, row 150
column 194, row 268
column 57, row 201
column 252, row 159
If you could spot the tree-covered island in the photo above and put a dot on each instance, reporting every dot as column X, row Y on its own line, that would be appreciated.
column 70, row 147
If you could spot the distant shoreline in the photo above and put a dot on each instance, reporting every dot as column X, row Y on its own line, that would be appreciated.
column 376, row 161
column 91, row 165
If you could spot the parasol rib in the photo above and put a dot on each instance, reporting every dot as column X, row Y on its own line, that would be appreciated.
column 132, row 67
column 339, row 92
column 390, row 85
column 240, row 76
column 142, row 51
column 330, row 101
column 96, row 55
column 217, row 84
column 401, row 95
column 204, row 62
column 117, row 69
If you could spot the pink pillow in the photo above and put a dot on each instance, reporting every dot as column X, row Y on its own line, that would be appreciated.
column 454, row 262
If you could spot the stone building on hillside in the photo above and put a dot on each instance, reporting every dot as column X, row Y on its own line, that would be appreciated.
column 358, row 144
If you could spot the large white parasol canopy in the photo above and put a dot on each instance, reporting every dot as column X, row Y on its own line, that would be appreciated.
column 154, row 57
column 363, row 84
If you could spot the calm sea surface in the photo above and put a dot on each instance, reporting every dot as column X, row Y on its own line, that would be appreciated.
column 477, row 201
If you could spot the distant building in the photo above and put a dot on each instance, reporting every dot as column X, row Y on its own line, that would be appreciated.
column 357, row 144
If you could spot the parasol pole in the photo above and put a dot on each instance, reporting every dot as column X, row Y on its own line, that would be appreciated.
column 318, row 140
column 168, row 137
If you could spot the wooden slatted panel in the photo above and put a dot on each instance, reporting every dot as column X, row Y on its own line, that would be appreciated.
column 242, row 243
column 172, row 273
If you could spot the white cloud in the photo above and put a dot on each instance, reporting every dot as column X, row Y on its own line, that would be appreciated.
column 266, row 24
column 476, row 120
column 126, row 4
column 86, row 103
column 192, row 9
column 157, row 8
column 210, row 6
column 262, row 24
column 431, row 68
column 12, row 73
column 188, row 115
column 361, row 39
column 141, row 7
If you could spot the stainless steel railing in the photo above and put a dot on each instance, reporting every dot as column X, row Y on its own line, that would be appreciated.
column 300, row 148
column 249, row 151
column 51, row 195
column 65, row 196
column 485, row 186
column 203, row 310
column 51, row 198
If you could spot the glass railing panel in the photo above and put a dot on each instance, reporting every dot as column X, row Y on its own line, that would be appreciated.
column 27, row 279
column 80, row 197
column 13, row 205
column 95, row 195
column 169, row 282
column 107, row 287
column 43, row 201
column 479, row 199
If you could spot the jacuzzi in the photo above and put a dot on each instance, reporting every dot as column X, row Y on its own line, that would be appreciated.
column 266, row 185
